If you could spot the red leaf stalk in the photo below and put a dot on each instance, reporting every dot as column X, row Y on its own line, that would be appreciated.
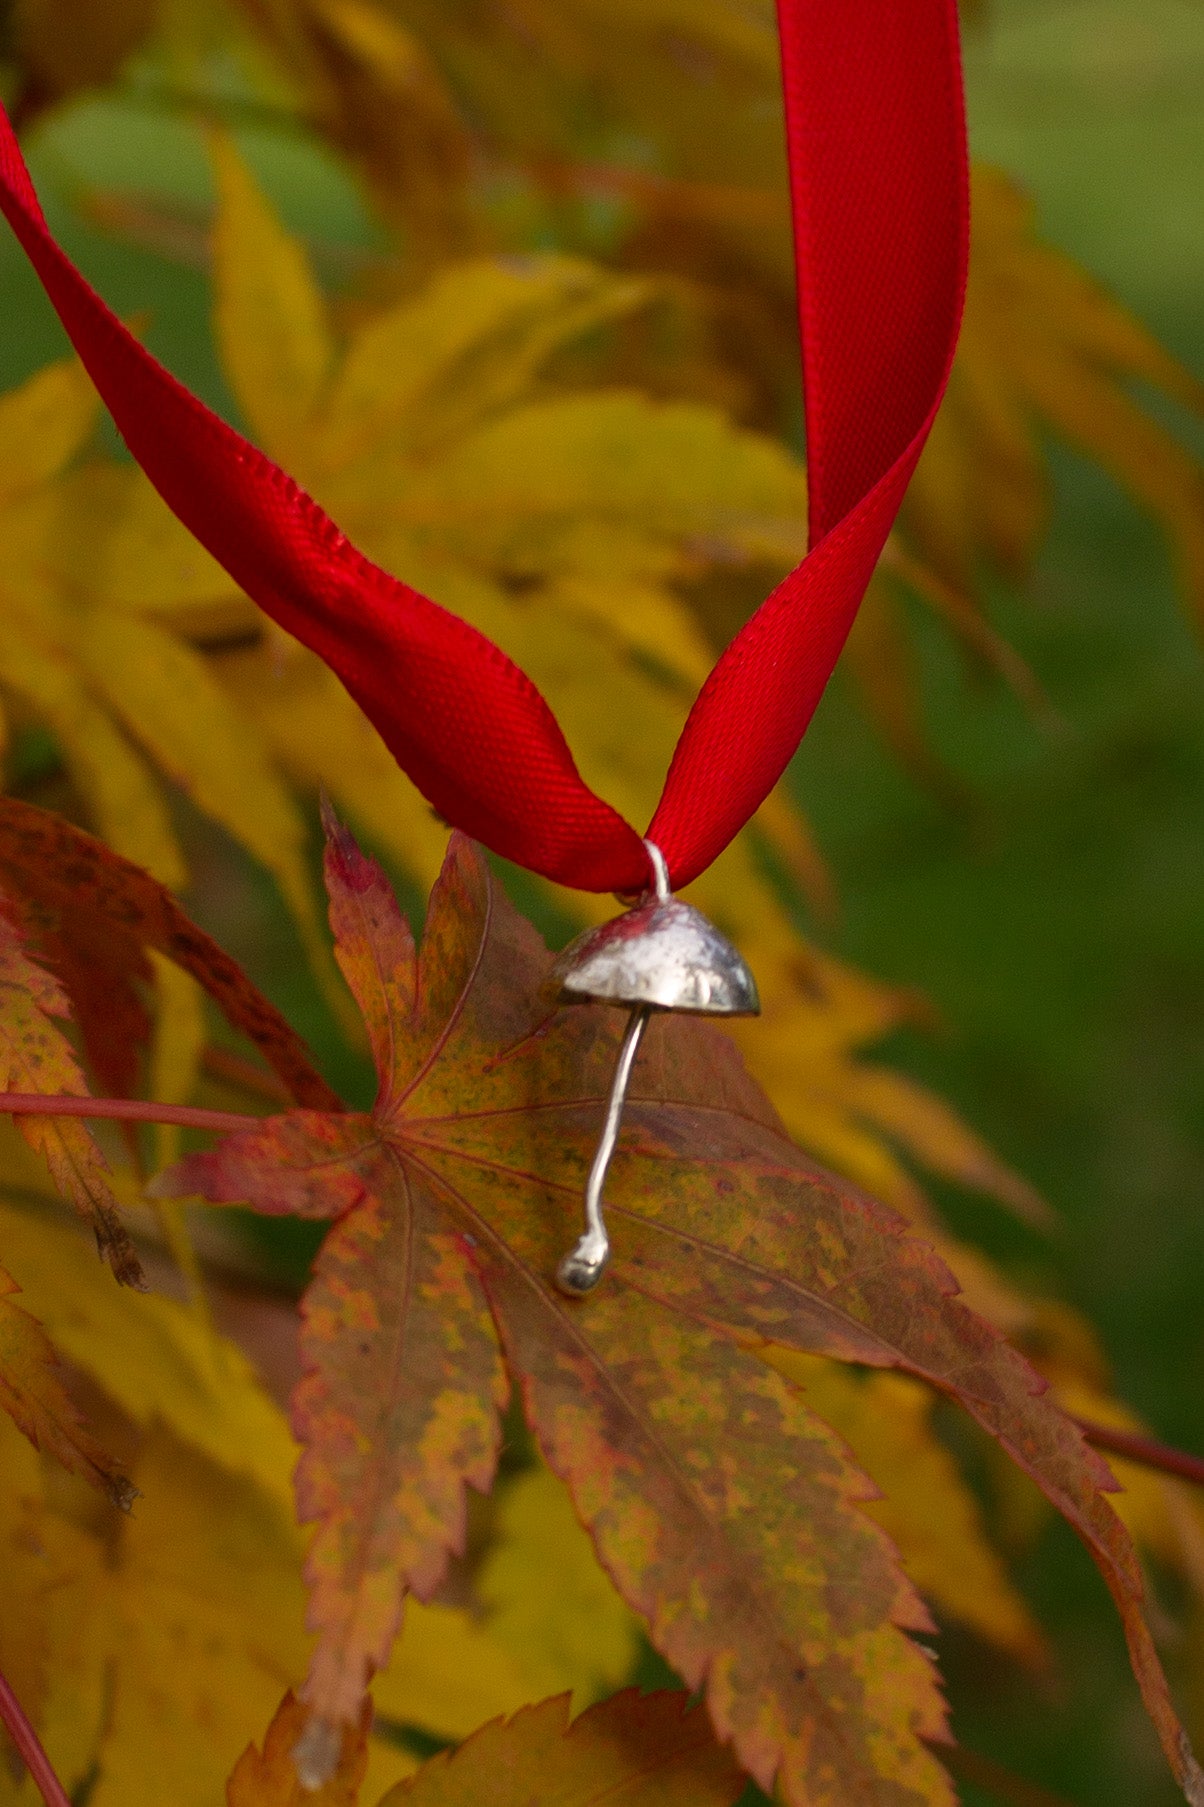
column 29, row 1746
column 124, row 1110
column 1146, row 1451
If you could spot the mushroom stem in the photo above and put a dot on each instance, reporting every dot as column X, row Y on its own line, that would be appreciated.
column 583, row 1266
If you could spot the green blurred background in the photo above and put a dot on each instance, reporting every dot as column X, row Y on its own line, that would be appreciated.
column 1057, row 923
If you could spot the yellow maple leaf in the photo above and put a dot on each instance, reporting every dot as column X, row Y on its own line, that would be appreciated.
column 164, row 1631
column 1042, row 346
column 33, row 1395
column 24, row 1652
column 546, row 1597
column 149, row 1354
column 35, row 1056
column 36, row 670
column 156, row 1645
column 126, row 698
column 448, row 1673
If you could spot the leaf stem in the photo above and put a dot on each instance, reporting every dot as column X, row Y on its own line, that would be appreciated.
column 127, row 1110
column 29, row 1745
column 1145, row 1450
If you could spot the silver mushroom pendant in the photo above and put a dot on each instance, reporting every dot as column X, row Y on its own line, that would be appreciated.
column 660, row 955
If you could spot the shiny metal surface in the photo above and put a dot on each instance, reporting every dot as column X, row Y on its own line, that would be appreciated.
column 664, row 954
column 660, row 955
column 582, row 1267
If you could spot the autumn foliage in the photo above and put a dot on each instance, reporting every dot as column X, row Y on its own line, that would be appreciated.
column 292, row 1546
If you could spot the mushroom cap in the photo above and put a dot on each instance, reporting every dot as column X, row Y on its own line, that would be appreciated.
column 664, row 954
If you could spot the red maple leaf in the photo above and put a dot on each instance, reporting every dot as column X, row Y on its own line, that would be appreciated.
column 724, row 1509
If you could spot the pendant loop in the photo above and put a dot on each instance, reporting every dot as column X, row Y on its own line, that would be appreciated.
column 660, row 870
column 661, row 954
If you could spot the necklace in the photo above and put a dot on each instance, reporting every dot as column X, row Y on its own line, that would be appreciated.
column 875, row 139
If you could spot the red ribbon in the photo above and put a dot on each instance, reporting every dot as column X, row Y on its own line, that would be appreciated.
column 876, row 142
